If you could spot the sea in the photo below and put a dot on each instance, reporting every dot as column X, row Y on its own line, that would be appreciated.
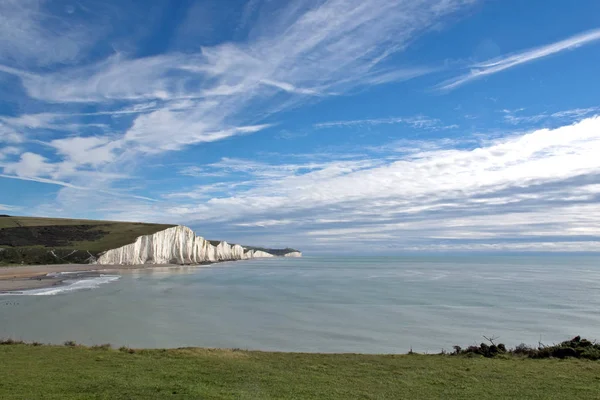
column 321, row 304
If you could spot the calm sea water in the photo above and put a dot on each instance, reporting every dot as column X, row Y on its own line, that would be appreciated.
column 373, row 305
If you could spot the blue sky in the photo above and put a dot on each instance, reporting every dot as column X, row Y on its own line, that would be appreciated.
column 328, row 125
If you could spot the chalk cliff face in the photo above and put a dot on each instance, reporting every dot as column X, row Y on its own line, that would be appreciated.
column 179, row 245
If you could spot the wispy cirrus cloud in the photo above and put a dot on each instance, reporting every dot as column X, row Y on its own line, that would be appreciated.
column 6, row 207
column 30, row 33
column 120, row 194
column 516, row 117
column 496, row 65
column 419, row 121
column 173, row 100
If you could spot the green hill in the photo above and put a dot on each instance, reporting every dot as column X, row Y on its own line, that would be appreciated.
column 33, row 240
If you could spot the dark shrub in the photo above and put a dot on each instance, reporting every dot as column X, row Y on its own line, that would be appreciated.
column 576, row 348
column 126, row 349
column 564, row 352
column 523, row 350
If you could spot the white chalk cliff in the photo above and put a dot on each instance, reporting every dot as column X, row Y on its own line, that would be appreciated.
column 179, row 245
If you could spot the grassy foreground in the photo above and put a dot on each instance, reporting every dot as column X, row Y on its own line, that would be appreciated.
column 57, row 372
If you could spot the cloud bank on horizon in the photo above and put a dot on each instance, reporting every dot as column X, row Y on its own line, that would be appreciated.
column 394, row 125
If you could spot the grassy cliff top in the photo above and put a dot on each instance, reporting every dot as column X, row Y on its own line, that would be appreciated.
column 89, row 235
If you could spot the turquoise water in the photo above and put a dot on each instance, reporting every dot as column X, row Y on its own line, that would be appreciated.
column 323, row 304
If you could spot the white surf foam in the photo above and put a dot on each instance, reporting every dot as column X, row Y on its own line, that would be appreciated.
column 86, row 283
column 59, row 274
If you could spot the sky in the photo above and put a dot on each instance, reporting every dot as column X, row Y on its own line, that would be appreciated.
column 380, row 126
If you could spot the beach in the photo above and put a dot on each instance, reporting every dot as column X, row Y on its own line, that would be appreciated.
column 29, row 277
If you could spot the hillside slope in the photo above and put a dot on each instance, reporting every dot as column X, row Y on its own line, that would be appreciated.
column 33, row 240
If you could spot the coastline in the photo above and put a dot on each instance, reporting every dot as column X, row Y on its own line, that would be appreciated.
column 16, row 278
column 28, row 277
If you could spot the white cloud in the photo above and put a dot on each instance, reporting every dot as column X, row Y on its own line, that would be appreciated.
column 500, row 64
column 91, row 150
column 577, row 246
column 513, row 187
column 169, row 101
column 266, row 223
column 166, row 129
column 326, row 48
column 6, row 207
column 517, row 117
column 67, row 172
column 30, row 165
column 30, row 33
column 419, row 121
column 529, row 186
column 7, row 151
column 97, row 192
column 9, row 135
column 29, row 125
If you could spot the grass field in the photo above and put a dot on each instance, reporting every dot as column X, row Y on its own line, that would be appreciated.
column 28, row 240
column 57, row 372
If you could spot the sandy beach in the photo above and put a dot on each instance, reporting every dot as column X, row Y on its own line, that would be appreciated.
column 16, row 278
column 27, row 277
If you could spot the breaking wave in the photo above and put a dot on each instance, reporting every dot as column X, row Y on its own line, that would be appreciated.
column 69, row 285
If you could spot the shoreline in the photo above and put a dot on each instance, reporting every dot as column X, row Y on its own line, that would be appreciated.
column 17, row 278
column 27, row 277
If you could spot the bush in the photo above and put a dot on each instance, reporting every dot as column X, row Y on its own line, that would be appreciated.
column 575, row 348
column 70, row 343
column 125, row 349
column 483, row 350
column 10, row 341
column 523, row 350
